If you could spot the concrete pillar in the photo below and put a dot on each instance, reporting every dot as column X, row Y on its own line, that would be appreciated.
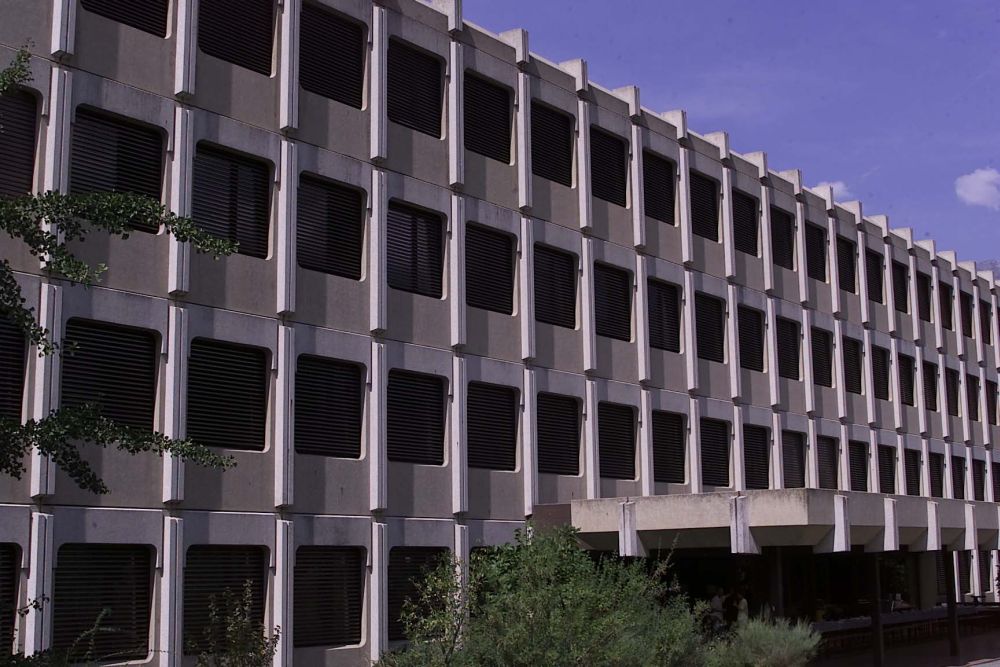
column 878, row 643
column 949, row 598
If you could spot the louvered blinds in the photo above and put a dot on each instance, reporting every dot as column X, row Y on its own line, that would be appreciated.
column 816, row 252
column 331, row 227
column 491, row 426
column 936, row 469
column 951, row 380
column 710, row 327
column 714, row 452
column 704, row 206
column 107, row 583
column 487, row 118
column 616, row 440
column 407, row 568
column 10, row 558
column 828, row 461
column 901, row 287
column 413, row 88
column 846, row 271
column 558, row 434
column 414, row 250
column 149, row 16
column 788, row 348
column 608, row 166
column 756, row 457
column 911, row 468
column 958, row 477
column 113, row 368
column 874, row 270
column 886, row 469
column 227, row 395
column 332, row 55
column 852, row 364
column 822, row 356
column 555, row 287
column 415, row 418
column 329, row 407
column 751, row 329
column 979, row 479
column 857, row 462
column 964, row 571
column 18, row 122
column 965, row 306
column 658, row 187
column 238, row 31
column 13, row 359
column 329, row 595
column 664, row 315
column 551, row 144
column 996, row 482
column 930, row 374
column 231, row 198
column 972, row 397
column 924, row 297
column 745, row 227
column 669, row 447
column 907, row 368
column 783, row 238
column 612, row 302
column 793, row 459
column 985, row 322
column 880, row 372
column 991, row 404
column 489, row 269
column 946, row 299
column 217, row 572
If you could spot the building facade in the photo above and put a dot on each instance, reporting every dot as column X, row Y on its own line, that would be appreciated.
column 472, row 286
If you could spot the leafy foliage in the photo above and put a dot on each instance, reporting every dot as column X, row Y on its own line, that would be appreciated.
column 232, row 637
column 765, row 643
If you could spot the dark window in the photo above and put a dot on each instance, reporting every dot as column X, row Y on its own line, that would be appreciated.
column 828, row 460
column 113, row 368
column 756, row 457
column 18, row 122
column 991, row 404
column 886, row 469
column 13, row 361
column 231, row 198
column 487, row 118
column 901, row 287
column 936, row 469
column 930, row 374
column 664, row 315
column 329, row 595
column 608, row 166
column 489, row 269
column 714, row 452
column 613, row 302
column 332, row 55
column 924, row 296
column 857, row 460
column 965, row 305
column 413, row 88
column 10, row 559
column 149, row 16
column 958, row 477
column 491, row 426
column 227, row 395
column 986, row 322
column 972, row 396
column 793, row 457
column 874, row 268
column 985, row 567
column 782, row 238
column 816, row 252
column 407, row 568
column 979, row 479
column 951, row 380
column 669, row 447
column 616, row 440
column 704, row 206
column 558, row 433
column 237, row 31
column 555, row 287
column 907, row 368
column 415, row 418
column 658, row 187
column 946, row 297
column 911, row 464
column 996, row 482
column 109, row 584
column 880, row 372
column 822, row 357
column 331, row 227
column 213, row 573
column 329, row 407
column 745, row 225
column 846, row 272
column 852, row 364
column 964, row 570
column 710, row 327
column 751, row 325
column 414, row 250
column 788, row 348
column 551, row 144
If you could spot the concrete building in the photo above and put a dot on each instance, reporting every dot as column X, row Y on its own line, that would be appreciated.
column 472, row 286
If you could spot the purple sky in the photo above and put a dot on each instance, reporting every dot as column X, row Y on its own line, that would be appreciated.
column 900, row 102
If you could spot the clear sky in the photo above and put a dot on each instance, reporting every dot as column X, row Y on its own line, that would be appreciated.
column 898, row 102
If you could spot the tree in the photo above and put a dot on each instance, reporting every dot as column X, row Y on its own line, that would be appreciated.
column 45, row 224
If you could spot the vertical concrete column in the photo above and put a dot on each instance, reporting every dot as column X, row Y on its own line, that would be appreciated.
column 636, row 174
column 995, row 327
column 900, row 464
column 925, row 467
column 529, row 442
column 942, row 394
column 894, row 379
column 694, row 445
column 456, row 115
column 970, row 493
column 462, row 554
column 378, row 462
column 456, row 270
column 808, row 372
column 175, row 400
column 771, row 341
column 642, row 316
column 578, row 70
column 975, row 582
column 284, row 419
column 378, row 600
column 878, row 641
column 936, row 305
column 728, row 247
column 587, row 324
column 949, row 485
column 918, row 390
column 57, row 133
column 736, row 438
column 767, row 257
column 732, row 343
column 802, row 272
column 689, row 343
column 831, row 262
column 843, row 456
column 591, row 458
column 777, row 446
column 838, row 368
column 171, row 621
column 963, row 399
column 181, row 166
column 916, row 327
column 984, row 415
column 63, row 33
column 866, row 368
column 41, row 560
column 378, row 274
column 284, row 589
column 812, row 460
column 873, row 476
column 951, row 584
column 379, row 45
column 46, row 386
column 862, row 268
column 647, row 481
column 459, row 463
column 523, row 120
column 526, row 287
column 288, row 182
column 288, row 65
column 684, row 204
column 186, row 48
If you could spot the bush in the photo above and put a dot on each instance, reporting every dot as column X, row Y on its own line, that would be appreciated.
column 766, row 643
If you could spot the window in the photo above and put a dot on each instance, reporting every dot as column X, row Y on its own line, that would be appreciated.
column 555, row 287
column 991, row 405
column 414, row 250
column 996, row 481
column 710, row 323
column 664, row 315
column 985, row 567
column 491, row 426
column 210, row 572
column 489, row 269
column 816, row 252
column 551, row 144
column 828, row 460
column 965, row 305
column 886, row 469
column 413, row 87
column 901, row 287
column 911, row 467
column 751, row 324
column 793, row 457
column 415, row 418
column 13, row 363
column 857, row 459
column 714, row 452
column 231, row 198
column 907, row 368
column 669, row 447
column 822, row 357
column 613, row 302
column 608, row 166
column 332, row 55
column 924, row 296
column 10, row 559
column 852, row 364
column 880, row 372
column 788, row 348
column 331, row 227
column 558, row 433
column 110, row 579
column 947, row 300
column 227, row 395
column 616, row 440
column 487, row 118
column 237, row 31
column 979, row 479
column 951, row 380
column 846, row 265
column 936, row 469
column 972, row 396
column 958, row 477
column 783, row 238
column 658, row 187
column 930, row 373
column 745, row 226
column 19, row 111
column 704, row 206
column 113, row 367
column 407, row 568
column 149, row 16
column 964, row 580
column 329, row 407
column 874, row 268
column 986, row 322
column 756, row 457
column 329, row 595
